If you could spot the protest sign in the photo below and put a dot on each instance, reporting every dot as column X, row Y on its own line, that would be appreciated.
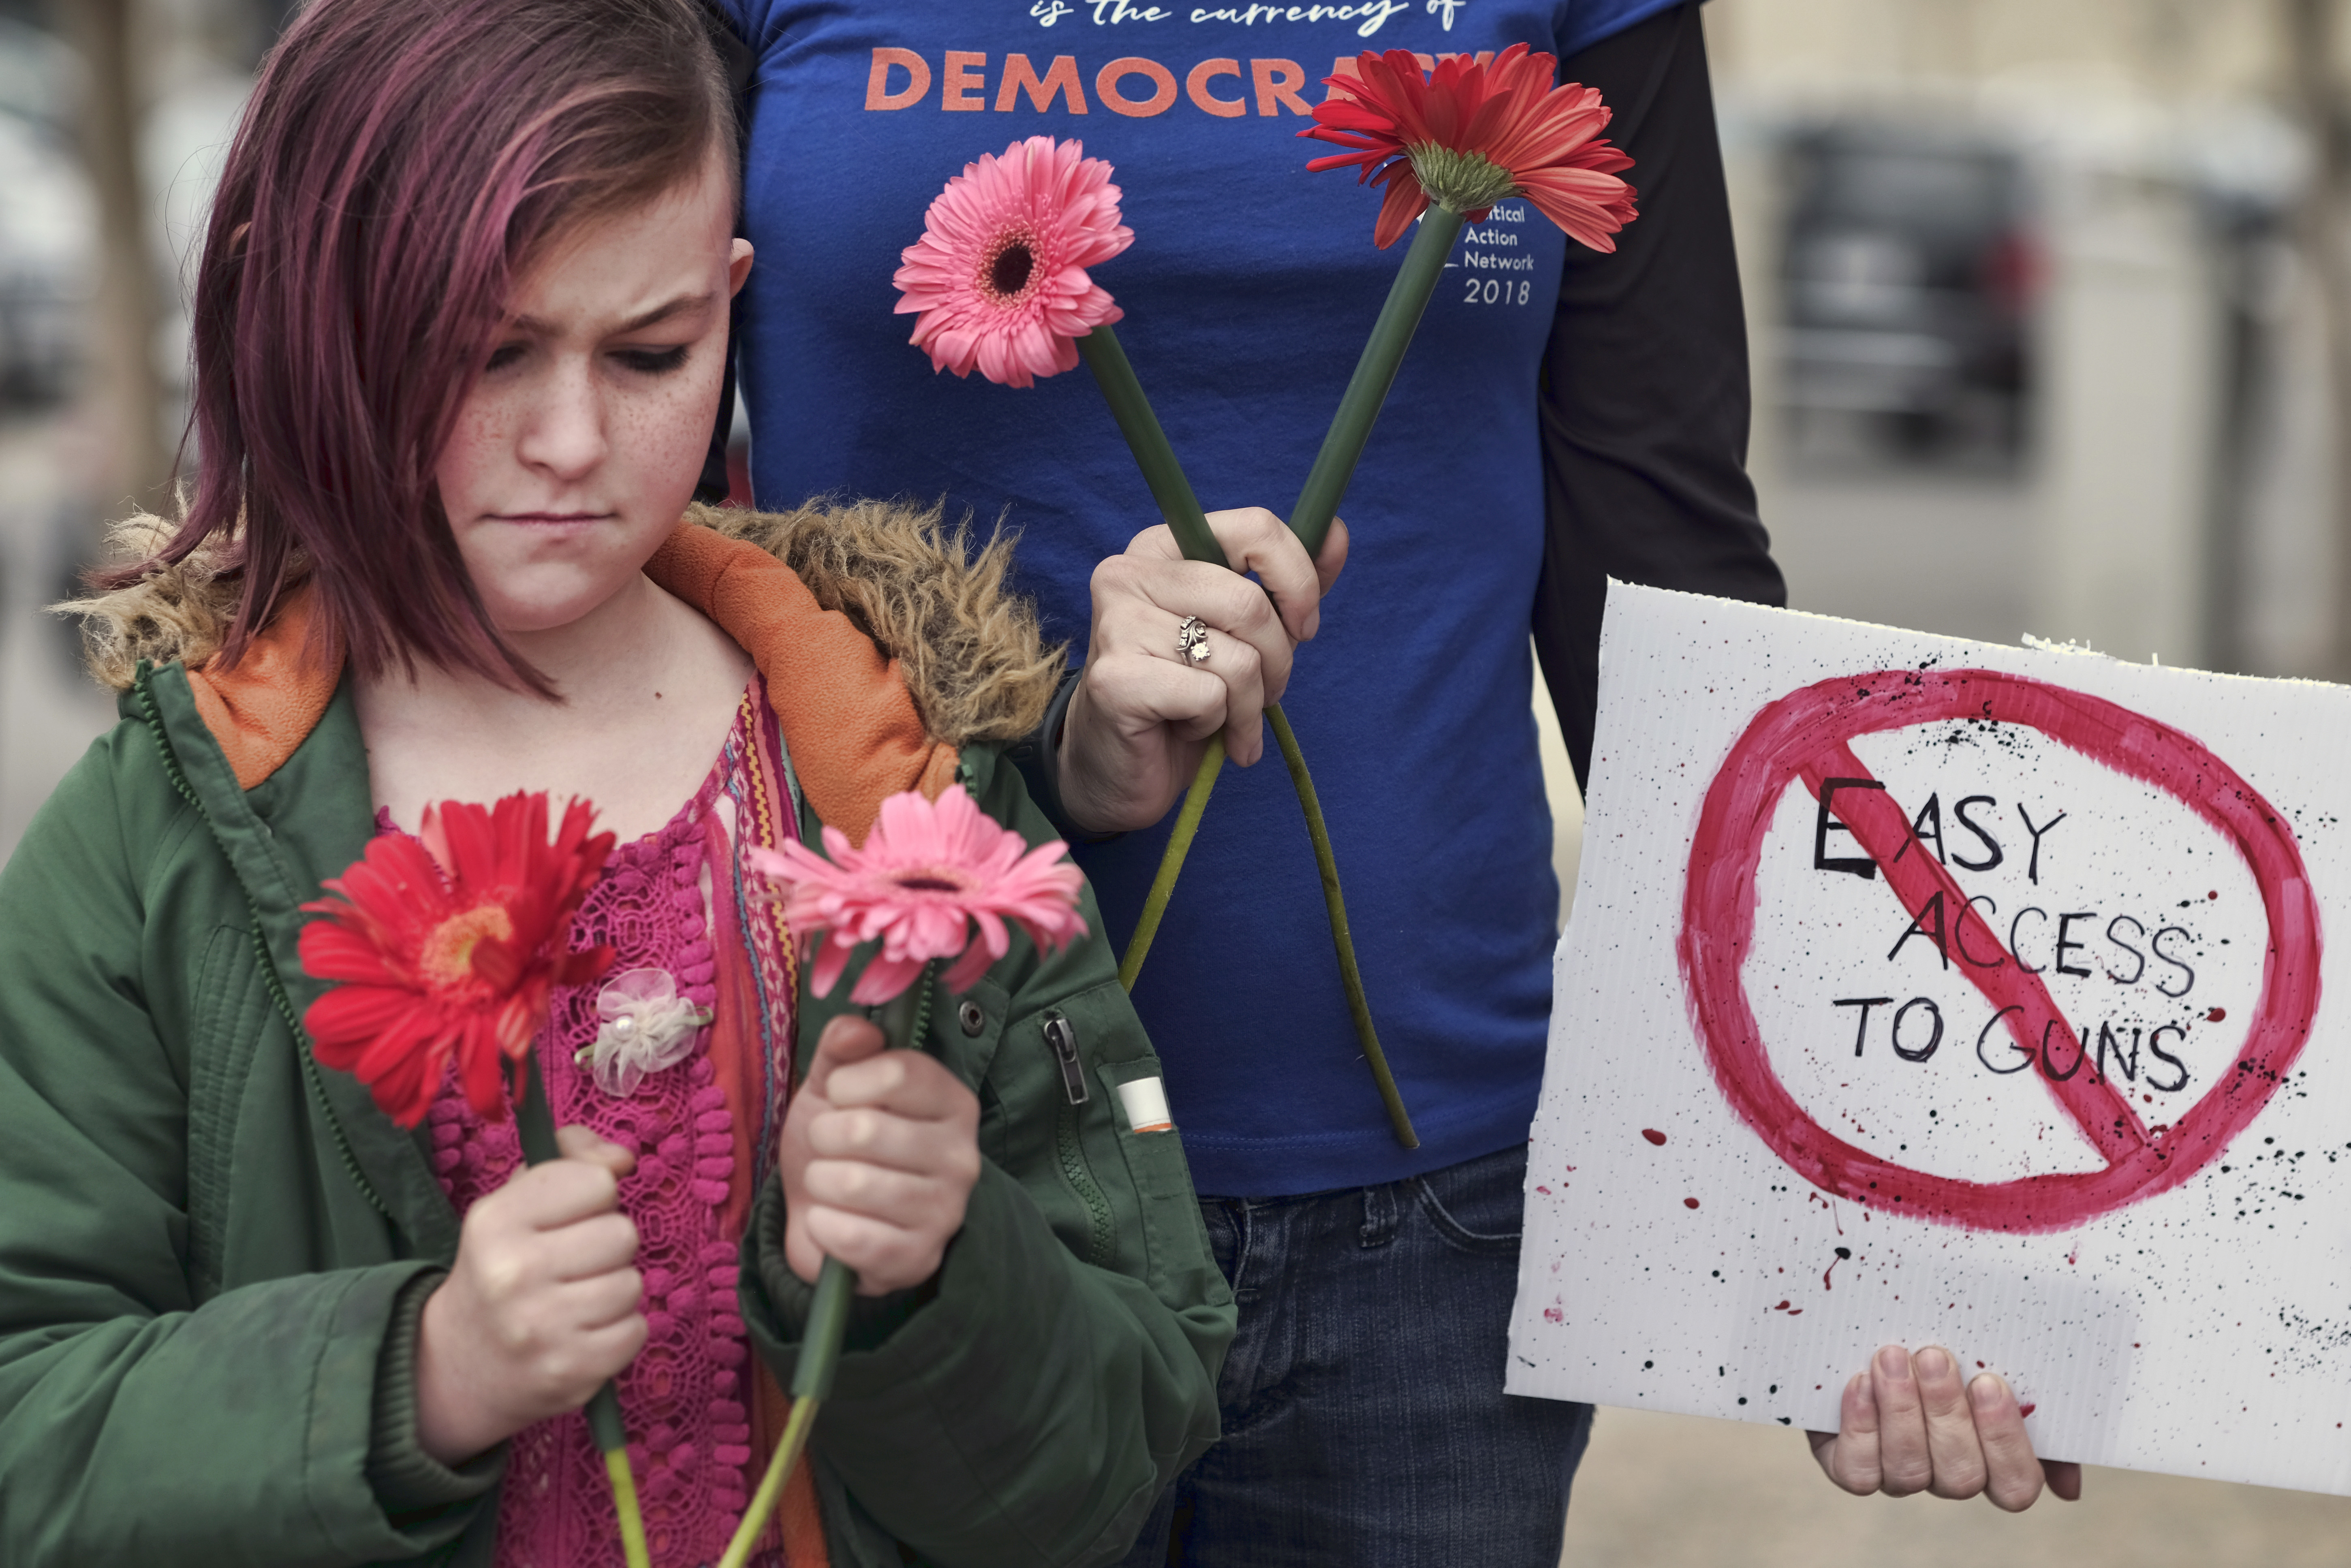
column 1926, row 992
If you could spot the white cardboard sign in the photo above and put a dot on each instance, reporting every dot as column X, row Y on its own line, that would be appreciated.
column 2022, row 1041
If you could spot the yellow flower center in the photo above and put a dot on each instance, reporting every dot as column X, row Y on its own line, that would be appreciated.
column 447, row 954
column 1008, row 266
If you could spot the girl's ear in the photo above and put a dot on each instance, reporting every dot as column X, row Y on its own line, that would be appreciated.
column 739, row 266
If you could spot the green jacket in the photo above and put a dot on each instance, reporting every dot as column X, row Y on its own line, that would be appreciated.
column 213, row 1251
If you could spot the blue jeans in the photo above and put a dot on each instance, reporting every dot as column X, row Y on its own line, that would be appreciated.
column 1365, row 1421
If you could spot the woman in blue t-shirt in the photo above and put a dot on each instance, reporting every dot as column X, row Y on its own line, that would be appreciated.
column 1564, row 417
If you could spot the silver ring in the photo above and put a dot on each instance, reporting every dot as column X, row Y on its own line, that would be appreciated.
column 1192, row 641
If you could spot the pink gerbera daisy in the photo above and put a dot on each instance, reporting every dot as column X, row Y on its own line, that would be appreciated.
column 926, row 877
column 1467, row 136
column 999, row 275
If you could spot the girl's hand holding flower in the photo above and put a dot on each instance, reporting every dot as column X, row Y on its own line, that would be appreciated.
column 541, row 1307
column 880, row 1148
column 879, row 1152
column 1142, row 714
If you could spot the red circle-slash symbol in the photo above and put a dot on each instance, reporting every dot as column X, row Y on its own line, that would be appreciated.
column 1806, row 736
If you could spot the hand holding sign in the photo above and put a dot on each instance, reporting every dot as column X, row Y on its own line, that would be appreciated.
column 1908, row 1425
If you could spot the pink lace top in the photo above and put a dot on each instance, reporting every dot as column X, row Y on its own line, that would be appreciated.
column 704, row 1132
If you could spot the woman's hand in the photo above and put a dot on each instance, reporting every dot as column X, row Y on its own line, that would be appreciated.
column 540, row 1308
column 879, row 1152
column 1908, row 1426
column 1142, row 713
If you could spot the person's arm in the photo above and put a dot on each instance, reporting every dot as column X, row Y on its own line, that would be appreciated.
column 145, row 1417
column 1645, row 417
column 1029, row 1401
column 1645, row 388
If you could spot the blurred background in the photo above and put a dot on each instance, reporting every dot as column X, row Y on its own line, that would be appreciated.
column 2051, row 309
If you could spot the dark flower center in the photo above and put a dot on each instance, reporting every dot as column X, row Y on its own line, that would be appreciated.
column 1010, row 273
column 918, row 883
column 1008, row 266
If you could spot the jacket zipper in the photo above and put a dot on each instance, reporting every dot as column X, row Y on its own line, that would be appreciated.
column 1063, row 1041
column 269, row 976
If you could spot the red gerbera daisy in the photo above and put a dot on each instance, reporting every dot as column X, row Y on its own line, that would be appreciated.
column 1467, row 136
column 450, row 944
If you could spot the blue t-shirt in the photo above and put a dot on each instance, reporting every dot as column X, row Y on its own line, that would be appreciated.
column 1248, row 292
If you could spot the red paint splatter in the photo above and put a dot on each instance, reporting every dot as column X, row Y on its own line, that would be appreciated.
column 1841, row 1254
column 1689, row 1203
column 1653, row 1137
column 2026, row 1409
column 1553, row 1315
column 2214, row 893
column 1804, row 736
column 2215, row 1015
column 1542, row 1189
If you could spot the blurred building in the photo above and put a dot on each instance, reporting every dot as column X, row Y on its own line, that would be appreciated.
column 2172, row 48
column 113, row 114
column 2060, row 240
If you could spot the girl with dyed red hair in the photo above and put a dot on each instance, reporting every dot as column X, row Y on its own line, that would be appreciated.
column 460, row 333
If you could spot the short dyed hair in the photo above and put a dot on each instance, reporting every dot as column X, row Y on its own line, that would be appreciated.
column 400, row 163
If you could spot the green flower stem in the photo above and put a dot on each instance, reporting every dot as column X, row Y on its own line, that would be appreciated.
column 1181, row 508
column 1179, row 844
column 771, row 1485
column 828, row 1322
column 1349, row 974
column 1177, row 504
column 1359, row 408
column 535, row 1128
column 903, row 1018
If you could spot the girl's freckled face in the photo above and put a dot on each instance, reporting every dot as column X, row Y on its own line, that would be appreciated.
column 579, row 448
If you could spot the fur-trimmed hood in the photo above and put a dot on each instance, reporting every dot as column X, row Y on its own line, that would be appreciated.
column 967, row 645
column 886, row 644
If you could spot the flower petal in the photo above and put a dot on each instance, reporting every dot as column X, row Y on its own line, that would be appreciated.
column 1405, row 202
column 832, row 958
column 1546, row 137
column 884, row 978
column 1044, row 195
column 965, row 972
column 394, row 1023
column 926, row 871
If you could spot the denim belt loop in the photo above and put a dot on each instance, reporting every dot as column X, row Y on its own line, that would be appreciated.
column 1379, row 1215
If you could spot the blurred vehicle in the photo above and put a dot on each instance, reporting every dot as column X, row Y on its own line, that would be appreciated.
column 48, row 221
column 1908, row 268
